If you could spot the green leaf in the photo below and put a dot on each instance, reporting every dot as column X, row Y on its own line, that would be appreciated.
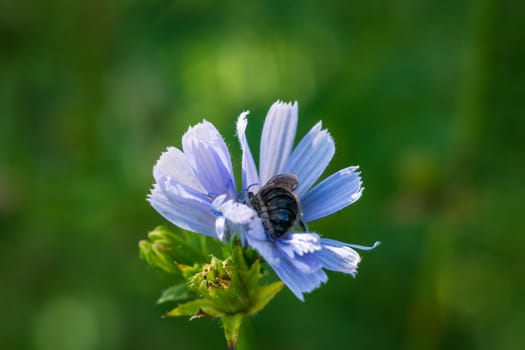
column 177, row 292
column 232, row 324
column 263, row 295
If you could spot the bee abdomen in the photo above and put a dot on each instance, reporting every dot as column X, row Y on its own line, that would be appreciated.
column 281, row 221
column 281, row 210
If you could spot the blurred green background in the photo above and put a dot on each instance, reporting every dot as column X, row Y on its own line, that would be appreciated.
column 426, row 96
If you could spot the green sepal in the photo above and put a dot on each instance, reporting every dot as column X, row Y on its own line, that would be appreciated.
column 249, row 276
column 172, row 252
column 156, row 256
column 178, row 292
column 189, row 271
column 186, row 248
column 196, row 309
column 263, row 295
column 232, row 325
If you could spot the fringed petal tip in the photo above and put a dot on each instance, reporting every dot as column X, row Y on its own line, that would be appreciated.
column 243, row 115
column 334, row 193
column 150, row 194
column 242, row 123
column 283, row 104
column 203, row 131
column 199, row 128
column 173, row 162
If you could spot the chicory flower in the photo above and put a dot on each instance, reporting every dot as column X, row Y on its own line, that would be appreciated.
column 195, row 189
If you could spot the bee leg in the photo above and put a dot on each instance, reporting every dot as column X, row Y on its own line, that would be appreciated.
column 250, row 199
column 303, row 226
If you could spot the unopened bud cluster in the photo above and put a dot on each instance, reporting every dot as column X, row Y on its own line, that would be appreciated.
column 212, row 276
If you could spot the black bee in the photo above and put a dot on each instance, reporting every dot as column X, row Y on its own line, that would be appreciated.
column 277, row 205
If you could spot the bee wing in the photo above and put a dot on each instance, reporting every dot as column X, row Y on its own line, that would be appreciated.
column 289, row 181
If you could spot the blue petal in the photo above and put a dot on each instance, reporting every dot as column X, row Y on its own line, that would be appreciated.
column 277, row 139
column 338, row 256
column 174, row 163
column 310, row 158
column 266, row 249
column 333, row 194
column 250, row 176
column 212, row 173
column 307, row 264
column 294, row 260
column 183, row 208
column 298, row 281
column 209, row 157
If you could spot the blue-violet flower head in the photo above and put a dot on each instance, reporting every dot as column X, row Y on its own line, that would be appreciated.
column 195, row 190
